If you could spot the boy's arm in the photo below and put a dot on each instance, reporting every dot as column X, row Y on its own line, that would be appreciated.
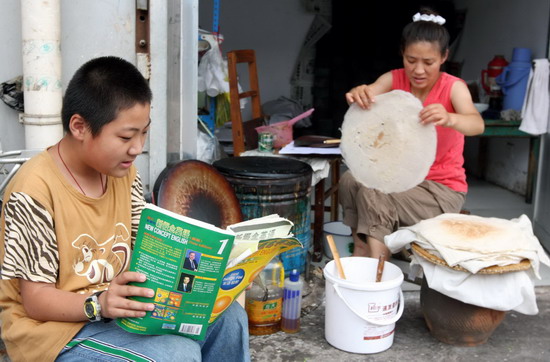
column 44, row 302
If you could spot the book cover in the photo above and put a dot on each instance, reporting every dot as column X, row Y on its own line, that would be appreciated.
column 196, row 269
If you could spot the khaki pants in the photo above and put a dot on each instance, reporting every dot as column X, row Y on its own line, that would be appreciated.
column 376, row 214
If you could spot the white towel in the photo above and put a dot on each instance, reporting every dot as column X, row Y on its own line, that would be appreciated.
column 536, row 105
column 474, row 242
column 506, row 291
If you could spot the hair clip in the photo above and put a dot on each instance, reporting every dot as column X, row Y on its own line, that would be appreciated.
column 425, row 17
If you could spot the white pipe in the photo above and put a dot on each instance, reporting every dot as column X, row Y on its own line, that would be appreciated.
column 158, row 16
column 189, row 57
column 41, row 33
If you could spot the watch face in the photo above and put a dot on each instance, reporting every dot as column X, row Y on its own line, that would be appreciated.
column 89, row 309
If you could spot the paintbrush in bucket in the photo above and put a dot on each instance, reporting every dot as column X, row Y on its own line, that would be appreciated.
column 336, row 257
column 380, row 268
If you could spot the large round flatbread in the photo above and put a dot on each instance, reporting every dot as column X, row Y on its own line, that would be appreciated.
column 386, row 147
column 475, row 233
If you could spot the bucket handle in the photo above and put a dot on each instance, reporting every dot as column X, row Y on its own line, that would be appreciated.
column 386, row 322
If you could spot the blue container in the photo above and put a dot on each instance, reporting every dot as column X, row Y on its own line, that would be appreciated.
column 521, row 55
column 513, row 80
column 274, row 185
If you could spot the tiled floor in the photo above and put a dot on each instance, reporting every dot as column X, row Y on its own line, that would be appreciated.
column 487, row 199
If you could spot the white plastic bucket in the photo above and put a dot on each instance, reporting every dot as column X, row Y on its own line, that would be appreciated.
column 341, row 234
column 360, row 314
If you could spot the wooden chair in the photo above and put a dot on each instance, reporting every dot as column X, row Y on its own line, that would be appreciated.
column 244, row 133
column 245, row 137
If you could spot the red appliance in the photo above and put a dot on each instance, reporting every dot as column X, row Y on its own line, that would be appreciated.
column 495, row 67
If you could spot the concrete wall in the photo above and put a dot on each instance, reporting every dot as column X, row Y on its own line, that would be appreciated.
column 88, row 29
column 274, row 29
column 11, row 136
column 496, row 27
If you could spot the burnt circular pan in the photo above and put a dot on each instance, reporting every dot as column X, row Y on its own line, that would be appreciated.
column 196, row 189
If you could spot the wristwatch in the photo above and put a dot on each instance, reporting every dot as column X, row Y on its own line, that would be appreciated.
column 92, row 308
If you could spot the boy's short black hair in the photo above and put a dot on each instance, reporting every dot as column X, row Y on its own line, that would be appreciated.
column 425, row 31
column 100, row 89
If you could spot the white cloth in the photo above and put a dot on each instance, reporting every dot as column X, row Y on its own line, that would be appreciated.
column 503, row 242
column 536, row 105
column 506, row 291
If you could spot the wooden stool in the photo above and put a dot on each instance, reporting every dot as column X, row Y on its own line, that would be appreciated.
column 452, row 321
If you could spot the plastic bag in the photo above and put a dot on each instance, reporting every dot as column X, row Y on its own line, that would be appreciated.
column 208, row 147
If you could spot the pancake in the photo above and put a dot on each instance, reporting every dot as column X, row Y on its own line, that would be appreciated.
column 386, row 147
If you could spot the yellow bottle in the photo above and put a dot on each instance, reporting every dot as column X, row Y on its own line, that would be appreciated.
column 264, row 300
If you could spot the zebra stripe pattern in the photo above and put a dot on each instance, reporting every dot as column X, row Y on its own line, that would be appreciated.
column 27, row 220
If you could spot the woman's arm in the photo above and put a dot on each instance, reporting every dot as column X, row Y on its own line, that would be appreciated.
column 44, row 302
column 466, row 118
column 364, row 95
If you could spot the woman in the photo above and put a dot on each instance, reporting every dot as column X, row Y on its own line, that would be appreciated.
column 448, row 104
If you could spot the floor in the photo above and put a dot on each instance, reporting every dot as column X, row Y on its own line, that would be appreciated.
column 518, row 337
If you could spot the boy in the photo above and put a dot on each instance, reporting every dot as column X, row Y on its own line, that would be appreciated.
column 68, row 223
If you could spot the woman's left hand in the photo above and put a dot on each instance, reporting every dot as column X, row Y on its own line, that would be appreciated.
column 436, row 114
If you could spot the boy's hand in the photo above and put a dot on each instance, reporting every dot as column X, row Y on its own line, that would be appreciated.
column 114, row 303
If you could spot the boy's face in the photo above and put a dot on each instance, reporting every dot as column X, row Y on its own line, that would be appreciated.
column 119, row 142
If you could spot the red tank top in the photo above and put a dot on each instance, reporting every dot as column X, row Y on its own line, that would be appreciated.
column 447, row 168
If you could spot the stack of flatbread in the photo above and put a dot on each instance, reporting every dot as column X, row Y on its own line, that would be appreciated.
column 386, row 147
column 474, row 243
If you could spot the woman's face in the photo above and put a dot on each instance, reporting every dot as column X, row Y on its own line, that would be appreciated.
column 422, row 61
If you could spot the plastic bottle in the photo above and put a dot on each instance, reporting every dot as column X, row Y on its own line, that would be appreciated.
column 292, row 303
column 264, row 300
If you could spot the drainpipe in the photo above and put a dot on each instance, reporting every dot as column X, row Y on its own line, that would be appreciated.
column 41, row 31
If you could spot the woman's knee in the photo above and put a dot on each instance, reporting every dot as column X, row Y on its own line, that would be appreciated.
column 347, row 187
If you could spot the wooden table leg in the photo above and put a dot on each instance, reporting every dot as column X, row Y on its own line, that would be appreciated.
column 534, row 143
column 334, row 187
column 318, row 212
column 482, row 156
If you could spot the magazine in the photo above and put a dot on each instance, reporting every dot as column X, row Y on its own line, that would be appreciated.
column 196, row 269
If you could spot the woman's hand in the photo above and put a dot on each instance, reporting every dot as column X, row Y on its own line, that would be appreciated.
column 436, row 114
column 114, row 303
column 362, row 95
